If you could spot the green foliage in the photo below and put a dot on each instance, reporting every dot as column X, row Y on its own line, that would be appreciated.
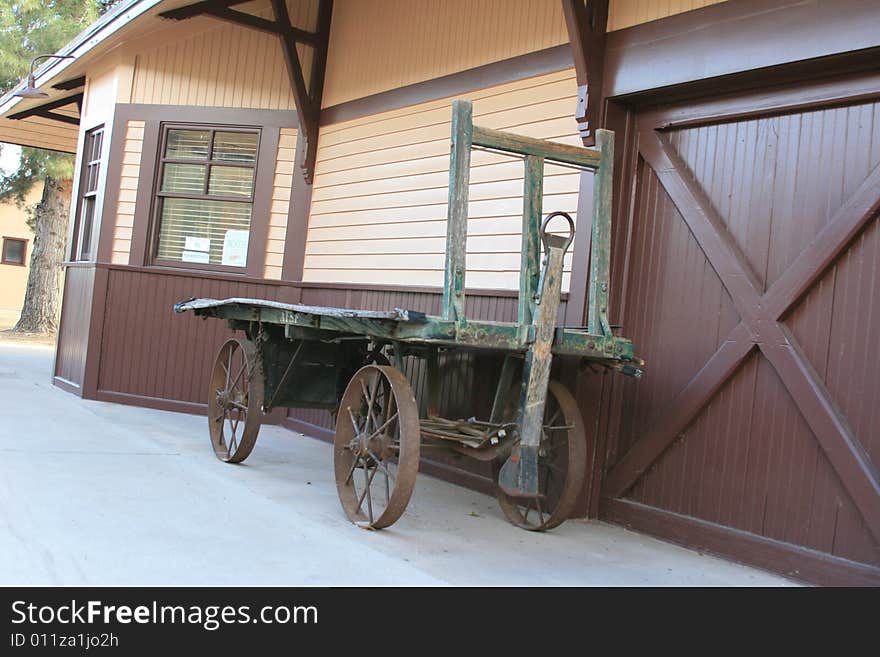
column 37, row 27
column 29, row 28
column 35, row 165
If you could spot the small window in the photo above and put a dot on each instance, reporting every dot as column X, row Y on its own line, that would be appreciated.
column 14, row 251
column 205, row 195
column 88, row 194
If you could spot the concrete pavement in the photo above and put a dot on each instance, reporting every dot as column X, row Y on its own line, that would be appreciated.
column 93, row 493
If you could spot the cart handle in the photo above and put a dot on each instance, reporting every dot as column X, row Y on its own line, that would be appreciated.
column 550, row 239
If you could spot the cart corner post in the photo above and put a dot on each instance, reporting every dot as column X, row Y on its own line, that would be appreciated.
column 456, row 222
column 600, row 250
column 530, row 265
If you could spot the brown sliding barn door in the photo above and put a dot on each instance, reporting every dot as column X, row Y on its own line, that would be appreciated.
column 753, row 291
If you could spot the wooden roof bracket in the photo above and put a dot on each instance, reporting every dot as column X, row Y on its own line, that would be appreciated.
column 587, row 22
column 307, row 96
column 45, row 110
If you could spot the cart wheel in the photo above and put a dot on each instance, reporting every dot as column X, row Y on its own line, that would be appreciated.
column 376, row 447
column 562, row 461
column 235, row 400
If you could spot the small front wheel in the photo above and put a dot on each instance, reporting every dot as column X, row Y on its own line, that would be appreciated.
column 235, row 400
column 376, row 446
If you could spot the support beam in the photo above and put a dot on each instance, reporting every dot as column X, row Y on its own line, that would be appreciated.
column 243, row 19
column 198, row 8
column 70, row 85
column 587, row 21
column 45, row 110
column 307, row 94
column 61, row 118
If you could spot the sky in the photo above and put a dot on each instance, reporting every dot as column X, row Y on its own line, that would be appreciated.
column 9, row 158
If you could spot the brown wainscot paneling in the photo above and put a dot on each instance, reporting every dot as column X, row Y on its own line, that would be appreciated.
column 73, row 334
column 154, row 357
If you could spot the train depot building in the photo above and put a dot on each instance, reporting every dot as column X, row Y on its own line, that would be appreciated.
column 298, row 152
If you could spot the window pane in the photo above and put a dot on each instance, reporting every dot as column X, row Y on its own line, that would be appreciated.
column 231, row 181
column 187, row 144
column 87, row 222
column 13, row 252
column 210, row 232
column 188, row 178
column 235, row 147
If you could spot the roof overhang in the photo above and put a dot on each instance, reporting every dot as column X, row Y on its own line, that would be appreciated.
column 59, row 78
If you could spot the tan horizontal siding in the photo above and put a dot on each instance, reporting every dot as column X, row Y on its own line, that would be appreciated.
column 128, row 182
column 626, row 13
column 376, row 45
column 222, row 66
column 378, row 211
column 281, row 191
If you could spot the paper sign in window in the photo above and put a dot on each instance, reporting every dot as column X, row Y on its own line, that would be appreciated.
column 235, row 246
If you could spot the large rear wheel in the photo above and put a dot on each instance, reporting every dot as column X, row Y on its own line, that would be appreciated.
column 562, row 462
column 376, row 446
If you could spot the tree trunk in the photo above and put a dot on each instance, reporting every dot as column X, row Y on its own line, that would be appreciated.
column 41, row 300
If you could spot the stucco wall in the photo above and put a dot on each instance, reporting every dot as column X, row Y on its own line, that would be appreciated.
column 13, row 278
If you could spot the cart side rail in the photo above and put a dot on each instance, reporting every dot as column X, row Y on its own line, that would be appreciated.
column 535, row 153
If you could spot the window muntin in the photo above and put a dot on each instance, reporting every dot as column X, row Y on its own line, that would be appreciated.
column 14, row 251
column 205, row 196
column 89, row 174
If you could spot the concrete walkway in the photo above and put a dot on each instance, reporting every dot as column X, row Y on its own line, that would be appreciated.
column 93, row 493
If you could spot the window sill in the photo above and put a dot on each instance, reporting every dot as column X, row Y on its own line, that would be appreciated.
column 196, row 267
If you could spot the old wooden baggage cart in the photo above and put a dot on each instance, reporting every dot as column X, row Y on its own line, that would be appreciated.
column 351, row 362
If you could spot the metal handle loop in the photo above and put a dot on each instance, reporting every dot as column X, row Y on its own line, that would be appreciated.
column 545, row 235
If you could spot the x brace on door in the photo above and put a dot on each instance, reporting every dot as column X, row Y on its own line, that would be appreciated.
column 760, row 327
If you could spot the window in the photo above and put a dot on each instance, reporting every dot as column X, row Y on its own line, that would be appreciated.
column 14, row 251
column 205, row 195
column 88, row 194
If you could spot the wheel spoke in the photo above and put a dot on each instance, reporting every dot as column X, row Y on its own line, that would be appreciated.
column 228, row 367
column 368, row 482
column 379, row 430
column 366, row 399
column 238, row 376
column 351, row 470
column 370, row 497
column 372, row 399
column 380, row 463
column 354, row 423
column 235, row 422
column 222, row 436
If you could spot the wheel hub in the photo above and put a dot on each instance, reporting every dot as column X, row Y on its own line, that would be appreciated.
column 367, row 444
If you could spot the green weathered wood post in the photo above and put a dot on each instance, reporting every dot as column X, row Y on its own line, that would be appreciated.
column 457, row 215
column 600, row 243
column 530, row 265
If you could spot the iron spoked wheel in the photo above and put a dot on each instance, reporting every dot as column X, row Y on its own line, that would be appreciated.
column 376, row 447
column 562, row 460
column 235, row 400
